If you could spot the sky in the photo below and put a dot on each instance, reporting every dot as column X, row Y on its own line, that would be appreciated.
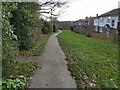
column 79, row 9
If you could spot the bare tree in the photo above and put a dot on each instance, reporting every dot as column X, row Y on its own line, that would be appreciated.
column 50, row 8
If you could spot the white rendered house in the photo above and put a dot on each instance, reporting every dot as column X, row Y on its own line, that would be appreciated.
column 107, row 20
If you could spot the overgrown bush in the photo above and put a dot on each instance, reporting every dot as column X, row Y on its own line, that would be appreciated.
column 16, row 31
column 46, row 27
column 19, row 21
column 9, row 46
column 24, row 21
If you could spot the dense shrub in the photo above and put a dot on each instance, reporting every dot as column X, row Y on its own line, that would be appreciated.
column 20, row 24
column 46, row 27
column 24, row 22
column 9, row 46
column 18, row 20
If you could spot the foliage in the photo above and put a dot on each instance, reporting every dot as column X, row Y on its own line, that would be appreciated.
column 92, row 62
column 19, row 21
column 37, row 49
column 9, row 46
column 24, row 20
column 10, row 42
column 17, row 83
column 46, row 27
column 24, row 68
column 0, row 83
column 16, row 79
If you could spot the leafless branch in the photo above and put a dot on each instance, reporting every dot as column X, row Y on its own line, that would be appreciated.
column 49, row 7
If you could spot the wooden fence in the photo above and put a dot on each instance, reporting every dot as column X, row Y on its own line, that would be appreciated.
column 107, row 37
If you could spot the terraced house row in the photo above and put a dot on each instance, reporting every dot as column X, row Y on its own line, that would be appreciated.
column 105, row 24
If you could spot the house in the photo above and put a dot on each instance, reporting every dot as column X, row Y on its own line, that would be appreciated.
column 107, row 22
column 91, row 27
column 84, row 26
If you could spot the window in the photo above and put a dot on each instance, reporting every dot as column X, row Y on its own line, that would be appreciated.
column 79, row 23
column 101, row 20
column 86, row 22
column 108, row 32
column 113, row 23
column 108, row 21
column 96, row 21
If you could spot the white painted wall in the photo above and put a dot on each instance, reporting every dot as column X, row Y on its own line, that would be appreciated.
column 104, row 20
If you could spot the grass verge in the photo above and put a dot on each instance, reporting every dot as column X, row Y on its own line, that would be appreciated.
column 92, row 62
column 38, row 46
column 21, row 71
column 19, row 76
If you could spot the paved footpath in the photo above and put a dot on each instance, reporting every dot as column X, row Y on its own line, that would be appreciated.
column 52, row 71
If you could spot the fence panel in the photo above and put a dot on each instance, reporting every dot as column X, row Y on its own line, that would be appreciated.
column 107, row 37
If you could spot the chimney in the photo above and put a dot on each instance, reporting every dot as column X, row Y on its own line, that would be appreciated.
column 97, row 15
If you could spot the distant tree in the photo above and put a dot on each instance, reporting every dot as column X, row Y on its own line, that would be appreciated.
column 50, row 9
column 46, row 27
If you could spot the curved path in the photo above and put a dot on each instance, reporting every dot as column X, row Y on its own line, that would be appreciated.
column 52, row 71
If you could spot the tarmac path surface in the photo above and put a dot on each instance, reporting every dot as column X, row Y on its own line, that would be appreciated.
column 52, row 71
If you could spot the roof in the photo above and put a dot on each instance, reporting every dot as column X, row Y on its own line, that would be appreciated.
column 114, row 12
column 86, row 19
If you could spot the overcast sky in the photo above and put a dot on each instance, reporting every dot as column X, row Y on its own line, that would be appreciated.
column 79, row 9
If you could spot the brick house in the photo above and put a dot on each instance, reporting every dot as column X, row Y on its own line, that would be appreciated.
column 84, row 26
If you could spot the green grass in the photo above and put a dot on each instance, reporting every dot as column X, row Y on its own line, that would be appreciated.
column 93, row 62
column 27, row 68
column 24, row 69
column 38, row 46
column 19, row 68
